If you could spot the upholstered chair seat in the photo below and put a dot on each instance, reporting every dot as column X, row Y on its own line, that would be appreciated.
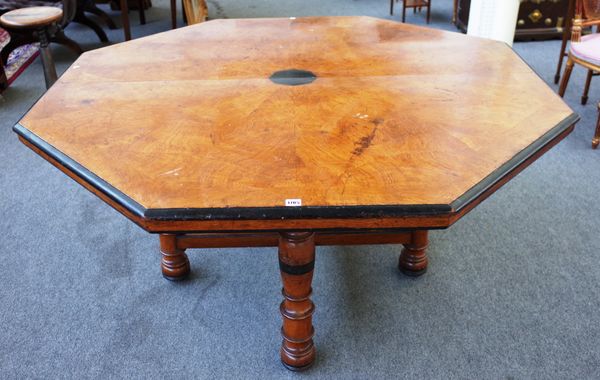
column 588, row 49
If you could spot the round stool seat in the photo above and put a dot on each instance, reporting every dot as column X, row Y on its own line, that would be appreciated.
column 31, row 17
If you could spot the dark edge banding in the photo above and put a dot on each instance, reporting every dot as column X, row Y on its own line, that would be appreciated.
column 304, row 212
column 86, row 175
column 489, row 181
column 296, row 270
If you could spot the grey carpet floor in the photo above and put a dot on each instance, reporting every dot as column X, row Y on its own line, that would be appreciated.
column 513, row 289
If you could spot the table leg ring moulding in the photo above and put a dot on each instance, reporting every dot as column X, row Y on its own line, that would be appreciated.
column 296, row 263
column 174, row 262
column 413, row 258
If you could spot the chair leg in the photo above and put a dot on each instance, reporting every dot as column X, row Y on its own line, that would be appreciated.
column 125, row 19
column 82, row 19
column 596, row 139
column 59, row 37
column 566, row 76
column 404, row 11
column 93, row 9
column 586, row 89
column 563, row 47
column 428, row 11
column 3, row 79
column 173, row 14
column 454, row 11
column 47, row 61
column 140, row 4
column 565, row 37
column 391, row 7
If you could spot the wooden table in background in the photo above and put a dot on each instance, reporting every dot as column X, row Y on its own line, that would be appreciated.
column 296, row 133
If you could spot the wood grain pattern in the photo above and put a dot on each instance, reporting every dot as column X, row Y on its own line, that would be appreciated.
column 206, row 128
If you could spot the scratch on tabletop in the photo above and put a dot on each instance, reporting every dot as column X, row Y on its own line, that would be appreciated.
column 172, row 172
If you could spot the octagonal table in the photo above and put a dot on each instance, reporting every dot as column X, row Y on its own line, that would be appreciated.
column 295, row 133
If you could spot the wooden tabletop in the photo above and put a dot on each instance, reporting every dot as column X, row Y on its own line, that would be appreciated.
column 387, row 119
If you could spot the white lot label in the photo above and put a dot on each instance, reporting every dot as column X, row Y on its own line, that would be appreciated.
column 293, row 202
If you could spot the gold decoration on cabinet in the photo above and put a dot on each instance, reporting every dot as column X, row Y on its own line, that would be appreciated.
column 535, row 16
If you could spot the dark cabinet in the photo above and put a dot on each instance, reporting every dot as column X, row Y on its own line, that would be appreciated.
column 538, row 19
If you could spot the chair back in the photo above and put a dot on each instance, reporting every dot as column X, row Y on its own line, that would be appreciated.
column 591, row 9
column 587, row 13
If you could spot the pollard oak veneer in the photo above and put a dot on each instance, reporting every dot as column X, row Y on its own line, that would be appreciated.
column 296, row 133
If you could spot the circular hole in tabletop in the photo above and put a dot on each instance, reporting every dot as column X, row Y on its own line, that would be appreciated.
column 292, row 77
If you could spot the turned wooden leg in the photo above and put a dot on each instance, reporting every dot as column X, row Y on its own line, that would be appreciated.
column 586, row 88
column 174, row 262
column 565, row 38
column 296, row 263
column 565, row 78
column 413, row 258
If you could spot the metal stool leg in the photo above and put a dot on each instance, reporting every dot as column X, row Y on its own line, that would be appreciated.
column 47, row 61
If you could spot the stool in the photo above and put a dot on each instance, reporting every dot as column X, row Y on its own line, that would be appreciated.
column 40, row 20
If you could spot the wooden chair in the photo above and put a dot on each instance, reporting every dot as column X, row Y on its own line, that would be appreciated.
column 585, row 50
column 414, row 4
column 195, row 11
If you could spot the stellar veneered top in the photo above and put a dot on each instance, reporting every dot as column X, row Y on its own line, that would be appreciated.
column 393, row 115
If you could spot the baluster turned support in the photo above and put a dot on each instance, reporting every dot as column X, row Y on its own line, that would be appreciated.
column 296, row 263
column 413, row 258
column 174, row 263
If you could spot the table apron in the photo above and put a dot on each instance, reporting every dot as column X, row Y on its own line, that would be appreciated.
column 271, row 239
